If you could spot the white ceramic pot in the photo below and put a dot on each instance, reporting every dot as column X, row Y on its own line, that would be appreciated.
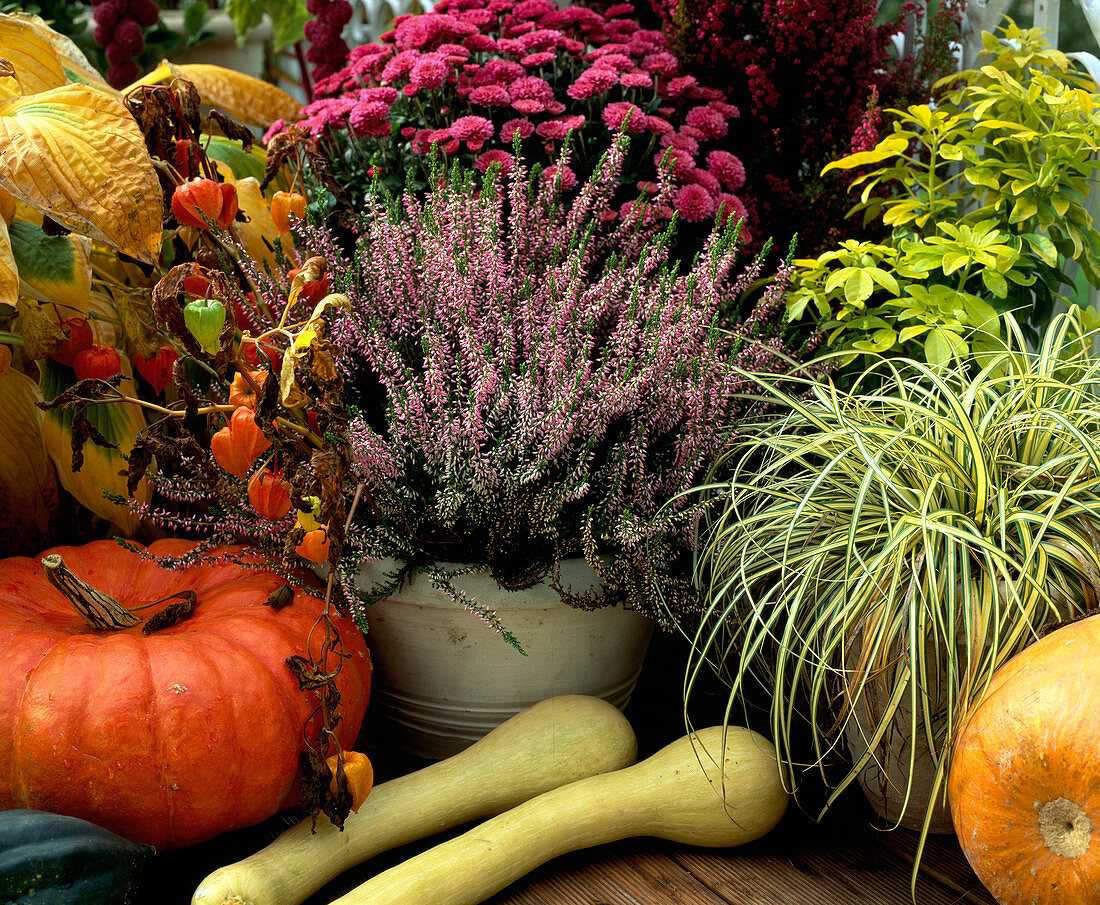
column 443, row 679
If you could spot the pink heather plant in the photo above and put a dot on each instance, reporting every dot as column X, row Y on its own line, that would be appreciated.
column 535, row 382
column 472, row 75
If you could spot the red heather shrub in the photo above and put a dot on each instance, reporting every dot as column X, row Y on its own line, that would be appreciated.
column 808, row 77
column 472, row 76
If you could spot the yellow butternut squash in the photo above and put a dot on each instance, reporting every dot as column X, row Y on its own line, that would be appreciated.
column 548, row 745
column 685, row 792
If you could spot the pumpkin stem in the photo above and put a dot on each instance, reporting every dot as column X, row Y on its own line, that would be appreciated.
column 99, row 610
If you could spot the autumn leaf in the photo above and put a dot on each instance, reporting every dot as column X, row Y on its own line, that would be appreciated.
column 104, row 469
column 32, row 58
column 28, row 483
column 77, row 154
column 259, row 235
column 52, row 268
column 9, row 271
column 251, row 100
column 41, row 335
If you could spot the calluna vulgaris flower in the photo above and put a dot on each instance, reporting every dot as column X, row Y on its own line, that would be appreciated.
column 471, row 75
column 543, row 397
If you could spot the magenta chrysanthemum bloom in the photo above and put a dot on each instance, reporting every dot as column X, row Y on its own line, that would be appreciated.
column 472, row 128
column 661, row 63
column 370, row 118
column 528, row 106
column 731, row 206
column 524, row 127
column 678, row 159
column 486, row 160
column 724, row 109
column 500, row 72
column 658, row 125
column 620, row 9
column 479, row 18
column 555, row 108
column 511, row 46
column 694, row 203
column 591, row 82
column 706, row 179
column 679, row 140
column 541, row 39
column 531, row 86
column 568, row 177
column 552, row 130
column 274, row 129
column 617, row 61
column 679, row 86
column 708, row 121
column 453, row 50
column 480, row 43
column 490, row 96
column 429, row 72
column 636, row 78
column 399, row 65
column 616, row 114
column 533, row 9
column 728, row 168
column 534, row 60
column 385, row 94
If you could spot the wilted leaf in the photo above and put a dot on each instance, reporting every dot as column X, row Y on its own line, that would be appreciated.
column 78, row 156
column 244, row 97
column 9, row 271
column 52, row 268
column 28, row 483
column 41, row 335
column 103, row 469
column 135, row 310
column 32, row 57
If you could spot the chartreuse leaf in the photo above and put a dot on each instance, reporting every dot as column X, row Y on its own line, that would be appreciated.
column 251, row 100
column 287, row 16
column 52, row 268
column 78, row 155
column 28, row 483
column 243, row 163
column 890, row 146
column 104, row 469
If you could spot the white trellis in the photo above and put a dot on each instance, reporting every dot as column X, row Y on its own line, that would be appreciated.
column 370, row 18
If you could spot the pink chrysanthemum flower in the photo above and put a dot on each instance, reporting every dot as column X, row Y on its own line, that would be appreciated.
column 661, row 63
column 706, row 179
column 730, row 206
column 429, row 72
column 591, row 82
column 679, row 160
column 728, row 168
column 552, row 129
column 680, row 85
column 619, row 9
column 658, row 125
column 568, row 177
column 524, row 127
column 399, row 66
column 679, row 140
column 534, row 60
column 370, row 118
column 616, row 114
column 617, row 61
column 531, row 86
column 484, row 161
column 480, row 43
column 708, row 121
column 694, row 203
column 636, row 78
column 490, row 96
column 528, row 106
column 472, row 128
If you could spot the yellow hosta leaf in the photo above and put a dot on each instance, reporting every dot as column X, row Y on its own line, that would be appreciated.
column 74, row 64
column 259, row 235
column 78, row 155
column 9, row 273
column 28, row 483
column 32, row 56
column 251, row 100
column 104, row 469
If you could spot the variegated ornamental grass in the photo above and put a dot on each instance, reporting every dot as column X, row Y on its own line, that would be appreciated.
column 926, row 520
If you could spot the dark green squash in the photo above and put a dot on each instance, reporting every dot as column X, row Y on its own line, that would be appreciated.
column 48, row 859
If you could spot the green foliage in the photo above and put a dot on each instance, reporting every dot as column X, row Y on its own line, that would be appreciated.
column 909, row 536
column 288, row 17
column 986, row 200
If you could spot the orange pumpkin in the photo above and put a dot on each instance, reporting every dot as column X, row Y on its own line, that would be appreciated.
column 167, row 738
column 1023, row 787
